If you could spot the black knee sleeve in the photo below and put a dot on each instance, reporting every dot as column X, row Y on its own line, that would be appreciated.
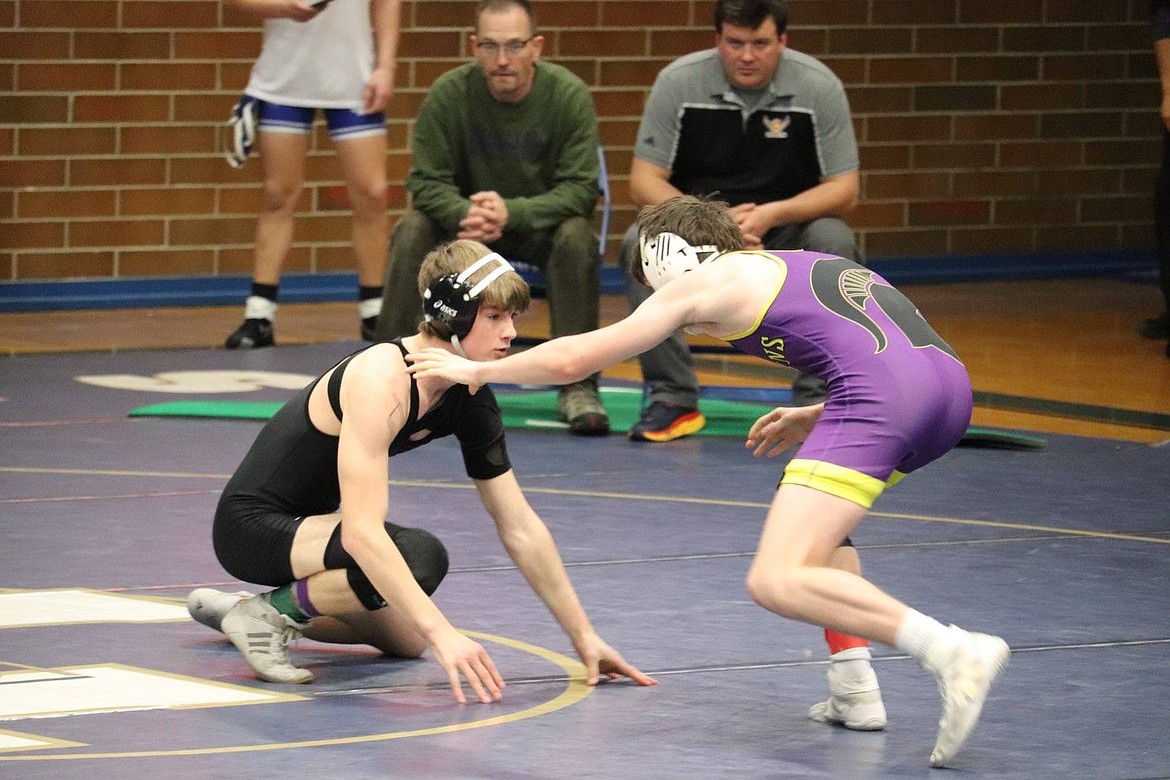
column 361, row 586
column 423, row 552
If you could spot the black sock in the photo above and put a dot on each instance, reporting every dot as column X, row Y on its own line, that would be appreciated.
column 269, row 291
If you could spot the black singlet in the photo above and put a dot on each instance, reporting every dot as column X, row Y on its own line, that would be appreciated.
column 292, row 466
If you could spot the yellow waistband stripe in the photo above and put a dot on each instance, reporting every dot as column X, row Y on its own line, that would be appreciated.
column 839, row 481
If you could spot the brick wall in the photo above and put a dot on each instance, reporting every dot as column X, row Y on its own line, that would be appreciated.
column 985, row 126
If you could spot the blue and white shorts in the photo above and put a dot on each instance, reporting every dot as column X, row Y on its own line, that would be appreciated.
column 344, row 123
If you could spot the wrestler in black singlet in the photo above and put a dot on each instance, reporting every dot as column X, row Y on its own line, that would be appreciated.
column 291, row 472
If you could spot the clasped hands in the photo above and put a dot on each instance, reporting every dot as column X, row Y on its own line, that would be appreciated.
column 485, row 218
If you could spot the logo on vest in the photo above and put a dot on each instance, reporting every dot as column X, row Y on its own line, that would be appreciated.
column 776, row 127
column 773, row 349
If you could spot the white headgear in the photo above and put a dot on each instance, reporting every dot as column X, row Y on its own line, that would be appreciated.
column 667, row 256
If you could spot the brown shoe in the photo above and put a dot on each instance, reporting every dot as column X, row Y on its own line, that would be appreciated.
column 580, row 406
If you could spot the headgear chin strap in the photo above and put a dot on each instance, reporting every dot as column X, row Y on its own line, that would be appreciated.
column 667, row 256
column 452, row 300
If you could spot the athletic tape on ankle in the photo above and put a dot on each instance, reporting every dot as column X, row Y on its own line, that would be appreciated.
column 303, row 600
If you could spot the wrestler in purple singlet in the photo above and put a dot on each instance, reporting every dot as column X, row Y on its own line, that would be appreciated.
column 899, row 397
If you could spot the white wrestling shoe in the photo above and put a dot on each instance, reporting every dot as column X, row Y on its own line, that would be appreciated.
column 855, row 700
column 965, row 670
column 208, row 605
column 262, row 634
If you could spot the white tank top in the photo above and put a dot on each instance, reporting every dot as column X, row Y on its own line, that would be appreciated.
column 322, row 63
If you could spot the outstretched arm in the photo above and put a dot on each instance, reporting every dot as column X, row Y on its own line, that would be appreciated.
column 531, row 546
column 570, row 359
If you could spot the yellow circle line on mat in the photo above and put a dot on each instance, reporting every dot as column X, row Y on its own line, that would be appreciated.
column 628, row 497
column 574, row 691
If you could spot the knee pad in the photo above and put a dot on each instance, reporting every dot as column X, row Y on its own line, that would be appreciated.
column 361, row 586
column 424, row 554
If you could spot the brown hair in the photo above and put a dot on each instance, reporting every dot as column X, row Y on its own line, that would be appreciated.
column 497, row 6
column 695, row 220
column 507, row 293
column 751, row 14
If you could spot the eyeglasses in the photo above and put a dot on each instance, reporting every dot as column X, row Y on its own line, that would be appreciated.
column 757, row 46
column 511, row 48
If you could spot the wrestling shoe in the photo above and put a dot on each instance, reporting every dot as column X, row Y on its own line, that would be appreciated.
column 208, row 605
column 262, row 634
column 253, row 334
column 666, row 422
column 965, row 669
column 1155, row 328
column 580, row 406
column 855, row 701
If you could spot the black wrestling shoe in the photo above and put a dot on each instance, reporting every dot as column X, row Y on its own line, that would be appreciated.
column 1155, row 327
column 253, row 334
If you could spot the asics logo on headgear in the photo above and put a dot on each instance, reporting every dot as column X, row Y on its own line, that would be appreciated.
column 444, row 309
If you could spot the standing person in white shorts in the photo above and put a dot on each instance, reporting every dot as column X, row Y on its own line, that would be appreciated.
column 338, row 57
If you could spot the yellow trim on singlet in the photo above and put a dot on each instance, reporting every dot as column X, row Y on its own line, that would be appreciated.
column 838, row 481
column 783, row 278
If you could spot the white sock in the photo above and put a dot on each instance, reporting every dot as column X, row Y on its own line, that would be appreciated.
column 918, row 634
column 853, row 662
column 257, row 308
column 370, row 307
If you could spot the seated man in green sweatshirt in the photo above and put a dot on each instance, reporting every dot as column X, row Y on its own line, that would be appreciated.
column 505, row 153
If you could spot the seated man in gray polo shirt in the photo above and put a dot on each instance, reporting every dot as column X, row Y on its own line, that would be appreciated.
column 764, row 128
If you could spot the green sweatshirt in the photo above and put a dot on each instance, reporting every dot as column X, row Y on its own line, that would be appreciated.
column 540, row 154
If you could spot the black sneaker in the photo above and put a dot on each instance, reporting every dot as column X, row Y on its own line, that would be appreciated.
column 1155, row 328
column 666, row 422
column 252, row 334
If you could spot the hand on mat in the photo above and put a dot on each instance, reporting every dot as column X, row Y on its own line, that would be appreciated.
column 599, row 658
column 433, row 361
column 460, row 655
column 782, row 427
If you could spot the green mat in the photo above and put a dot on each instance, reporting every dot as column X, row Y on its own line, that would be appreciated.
column 538, row 409
column 244, row 410
column 997, row 438
column 534, row 409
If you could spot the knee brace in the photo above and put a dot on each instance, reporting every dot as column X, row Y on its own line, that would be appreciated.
column 423, row 552
column 361, row 586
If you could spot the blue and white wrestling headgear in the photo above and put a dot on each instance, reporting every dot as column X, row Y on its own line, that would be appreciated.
column 667, row 256
column 453, row 301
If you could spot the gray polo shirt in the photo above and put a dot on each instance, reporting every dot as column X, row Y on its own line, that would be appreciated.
column 711, row 141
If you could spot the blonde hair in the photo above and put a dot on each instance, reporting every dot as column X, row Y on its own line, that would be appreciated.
column 507, row 293
column 696, row 220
